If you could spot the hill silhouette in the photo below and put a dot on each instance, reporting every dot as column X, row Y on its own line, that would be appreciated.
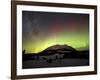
column 67, row 51
column 58, row 49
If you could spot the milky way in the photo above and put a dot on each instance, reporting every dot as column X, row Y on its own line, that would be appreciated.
column 43, row 29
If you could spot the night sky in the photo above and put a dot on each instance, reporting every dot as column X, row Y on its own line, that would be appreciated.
column 43, row 29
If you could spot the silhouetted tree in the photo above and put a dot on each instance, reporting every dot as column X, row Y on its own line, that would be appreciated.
column 24, row 51
column 23, row 55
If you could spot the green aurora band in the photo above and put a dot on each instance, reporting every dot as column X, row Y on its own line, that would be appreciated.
column 78, row 41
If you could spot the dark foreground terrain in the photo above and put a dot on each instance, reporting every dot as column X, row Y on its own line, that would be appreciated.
column 55, row 56
column 57, row 63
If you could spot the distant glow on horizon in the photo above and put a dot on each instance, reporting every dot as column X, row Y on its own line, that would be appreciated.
column 79, row 42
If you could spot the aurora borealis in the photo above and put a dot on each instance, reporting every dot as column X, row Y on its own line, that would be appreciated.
column 43, row 29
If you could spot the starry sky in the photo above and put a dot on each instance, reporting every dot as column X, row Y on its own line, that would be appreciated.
column 41, row 30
